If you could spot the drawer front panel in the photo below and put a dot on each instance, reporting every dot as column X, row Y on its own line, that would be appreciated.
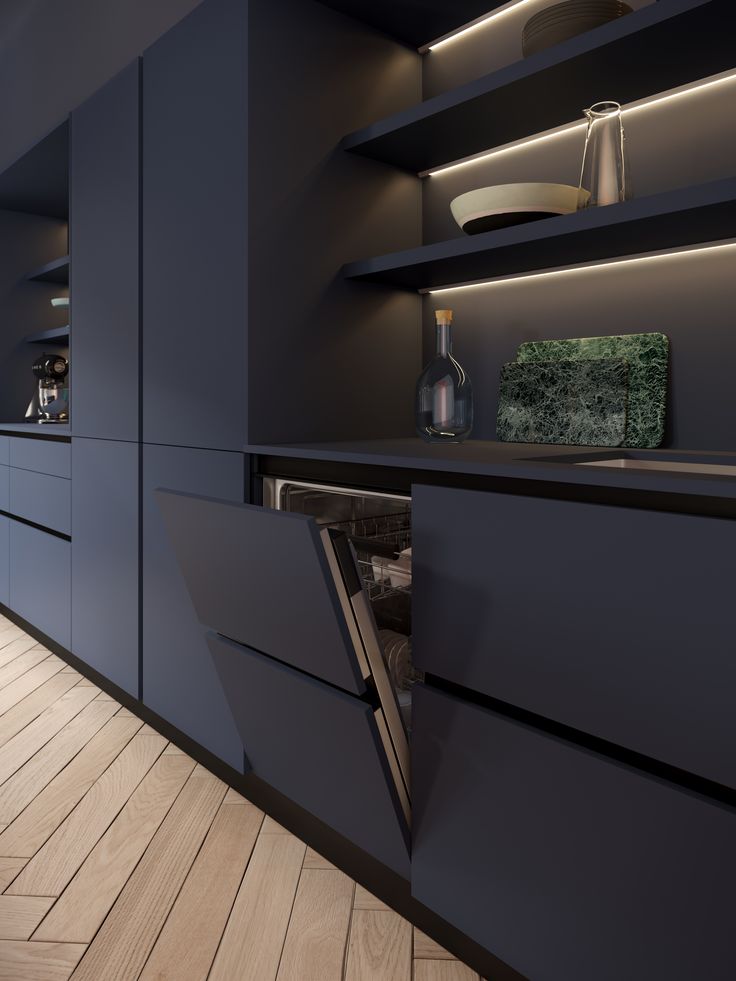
column 4, row 487
column 42, row 455
column 40, row 570
column 4, row 450
column 567, row 866
column 316, row 745
column 40, row 498
column 614, row 621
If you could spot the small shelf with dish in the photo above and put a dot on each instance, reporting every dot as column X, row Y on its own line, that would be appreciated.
column 673, row 219
column 618, row 56
column 55, row 335
column 56, row 271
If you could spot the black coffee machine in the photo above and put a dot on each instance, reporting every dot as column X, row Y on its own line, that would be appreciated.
column 50, row 402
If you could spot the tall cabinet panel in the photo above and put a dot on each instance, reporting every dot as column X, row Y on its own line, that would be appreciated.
column 4, row 559
column 180, row 682
column 194, row 230
column 105, row 558
column 105, row 184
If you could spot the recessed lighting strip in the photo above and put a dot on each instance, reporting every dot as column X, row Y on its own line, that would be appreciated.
column 694, row 88
column 587, row 267
column 473, row 24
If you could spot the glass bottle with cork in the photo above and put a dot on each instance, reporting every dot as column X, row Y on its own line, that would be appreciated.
column 444, row 396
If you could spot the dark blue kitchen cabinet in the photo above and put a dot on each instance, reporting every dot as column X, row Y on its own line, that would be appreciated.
column 194, row 230
column 4, row 560
column 180, row 682
column 104, row 231
column 105, row 558
column 567, row 865
column 40, row 580
column 615, row 621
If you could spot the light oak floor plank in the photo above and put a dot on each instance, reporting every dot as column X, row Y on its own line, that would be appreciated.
column 366, row 900
column 313, row 860
column 46, row 812
column 88, row 898
column 36, row 734
column 29, row 708
column 10, row 866
column 20, row 915
column 127, row 936
column 9, row 632
column 19, row 665
column 54, row 865
column 188, row 942
column 16, row 647
column 443, row 971
column 27, row 782
column 427, row 949
column 105, row 697
column 86, row 681
column 254, row 936
column 271, row 827
column 380, row 946
column 316, row 940
column 17, row 690
column 37, row 962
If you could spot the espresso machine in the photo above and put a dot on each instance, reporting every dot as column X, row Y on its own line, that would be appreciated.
column 50, row 402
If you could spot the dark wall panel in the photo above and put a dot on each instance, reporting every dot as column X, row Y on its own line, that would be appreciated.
column 105, row 258
column 329, row 359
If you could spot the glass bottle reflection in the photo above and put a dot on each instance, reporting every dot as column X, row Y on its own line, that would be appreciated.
column 605, row 170
column 444, row 397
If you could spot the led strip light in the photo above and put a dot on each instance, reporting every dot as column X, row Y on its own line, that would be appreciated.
column 586, row 267
column 474, row 24
column 693, row 88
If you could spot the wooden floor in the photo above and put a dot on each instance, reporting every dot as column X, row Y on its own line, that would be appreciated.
column 121, row 858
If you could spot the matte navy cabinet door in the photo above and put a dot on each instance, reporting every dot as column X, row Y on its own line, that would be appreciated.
column 40, row 579
column 615, row 621
column 105, row 558
column 180, row 682
column 105, row 179
column 567, row 866
column 194, row 230
column 318, row 746
column 4, row 560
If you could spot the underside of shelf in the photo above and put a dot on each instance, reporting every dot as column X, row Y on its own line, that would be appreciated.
column 674, row 219
column 38, row 182
column 415, row 22
column 53, row 272
column 659, row 47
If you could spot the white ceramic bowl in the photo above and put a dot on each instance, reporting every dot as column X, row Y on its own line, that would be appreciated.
column 490, row 208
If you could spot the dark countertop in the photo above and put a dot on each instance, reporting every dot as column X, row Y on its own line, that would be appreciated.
column 529, row 462
column 54, row 430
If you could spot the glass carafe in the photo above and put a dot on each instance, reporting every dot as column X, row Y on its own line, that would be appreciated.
column 605, row 172
column 444, row 398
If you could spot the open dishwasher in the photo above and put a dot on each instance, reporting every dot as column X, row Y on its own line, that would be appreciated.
column 308, row 601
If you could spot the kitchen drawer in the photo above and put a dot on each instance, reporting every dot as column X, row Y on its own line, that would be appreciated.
column 4, row 450
column 40, row 498
column 566, row 865
column 316, row 745
column 50, row 456
column 40, row 569
column 615, row 621
column 4, row 487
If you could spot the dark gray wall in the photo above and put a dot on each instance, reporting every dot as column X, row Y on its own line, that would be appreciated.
column 329, row 359
column 54, row 55
column 26, row 242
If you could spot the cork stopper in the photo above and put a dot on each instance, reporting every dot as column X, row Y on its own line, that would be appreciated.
column 443, row 316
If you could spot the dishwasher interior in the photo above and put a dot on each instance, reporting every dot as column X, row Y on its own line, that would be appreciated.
column 378, row 526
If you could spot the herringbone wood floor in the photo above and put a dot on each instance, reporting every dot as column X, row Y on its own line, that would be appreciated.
column 121, row 858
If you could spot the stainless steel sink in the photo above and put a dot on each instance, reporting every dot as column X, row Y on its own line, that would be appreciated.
column 671, row 466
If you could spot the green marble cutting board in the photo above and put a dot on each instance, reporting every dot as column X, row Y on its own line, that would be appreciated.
column 648, row 359
column 573, row 402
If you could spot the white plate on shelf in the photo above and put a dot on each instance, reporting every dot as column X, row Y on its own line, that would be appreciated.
column 489, row 208
column 60, row 301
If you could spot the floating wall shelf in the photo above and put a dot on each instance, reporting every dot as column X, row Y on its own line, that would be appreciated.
column 415, row 23
column 56, row 335
column 674, row 219
column 662, row 46
column 53, row 272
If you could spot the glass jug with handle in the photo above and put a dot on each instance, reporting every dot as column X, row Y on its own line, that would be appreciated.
column 604, row 178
